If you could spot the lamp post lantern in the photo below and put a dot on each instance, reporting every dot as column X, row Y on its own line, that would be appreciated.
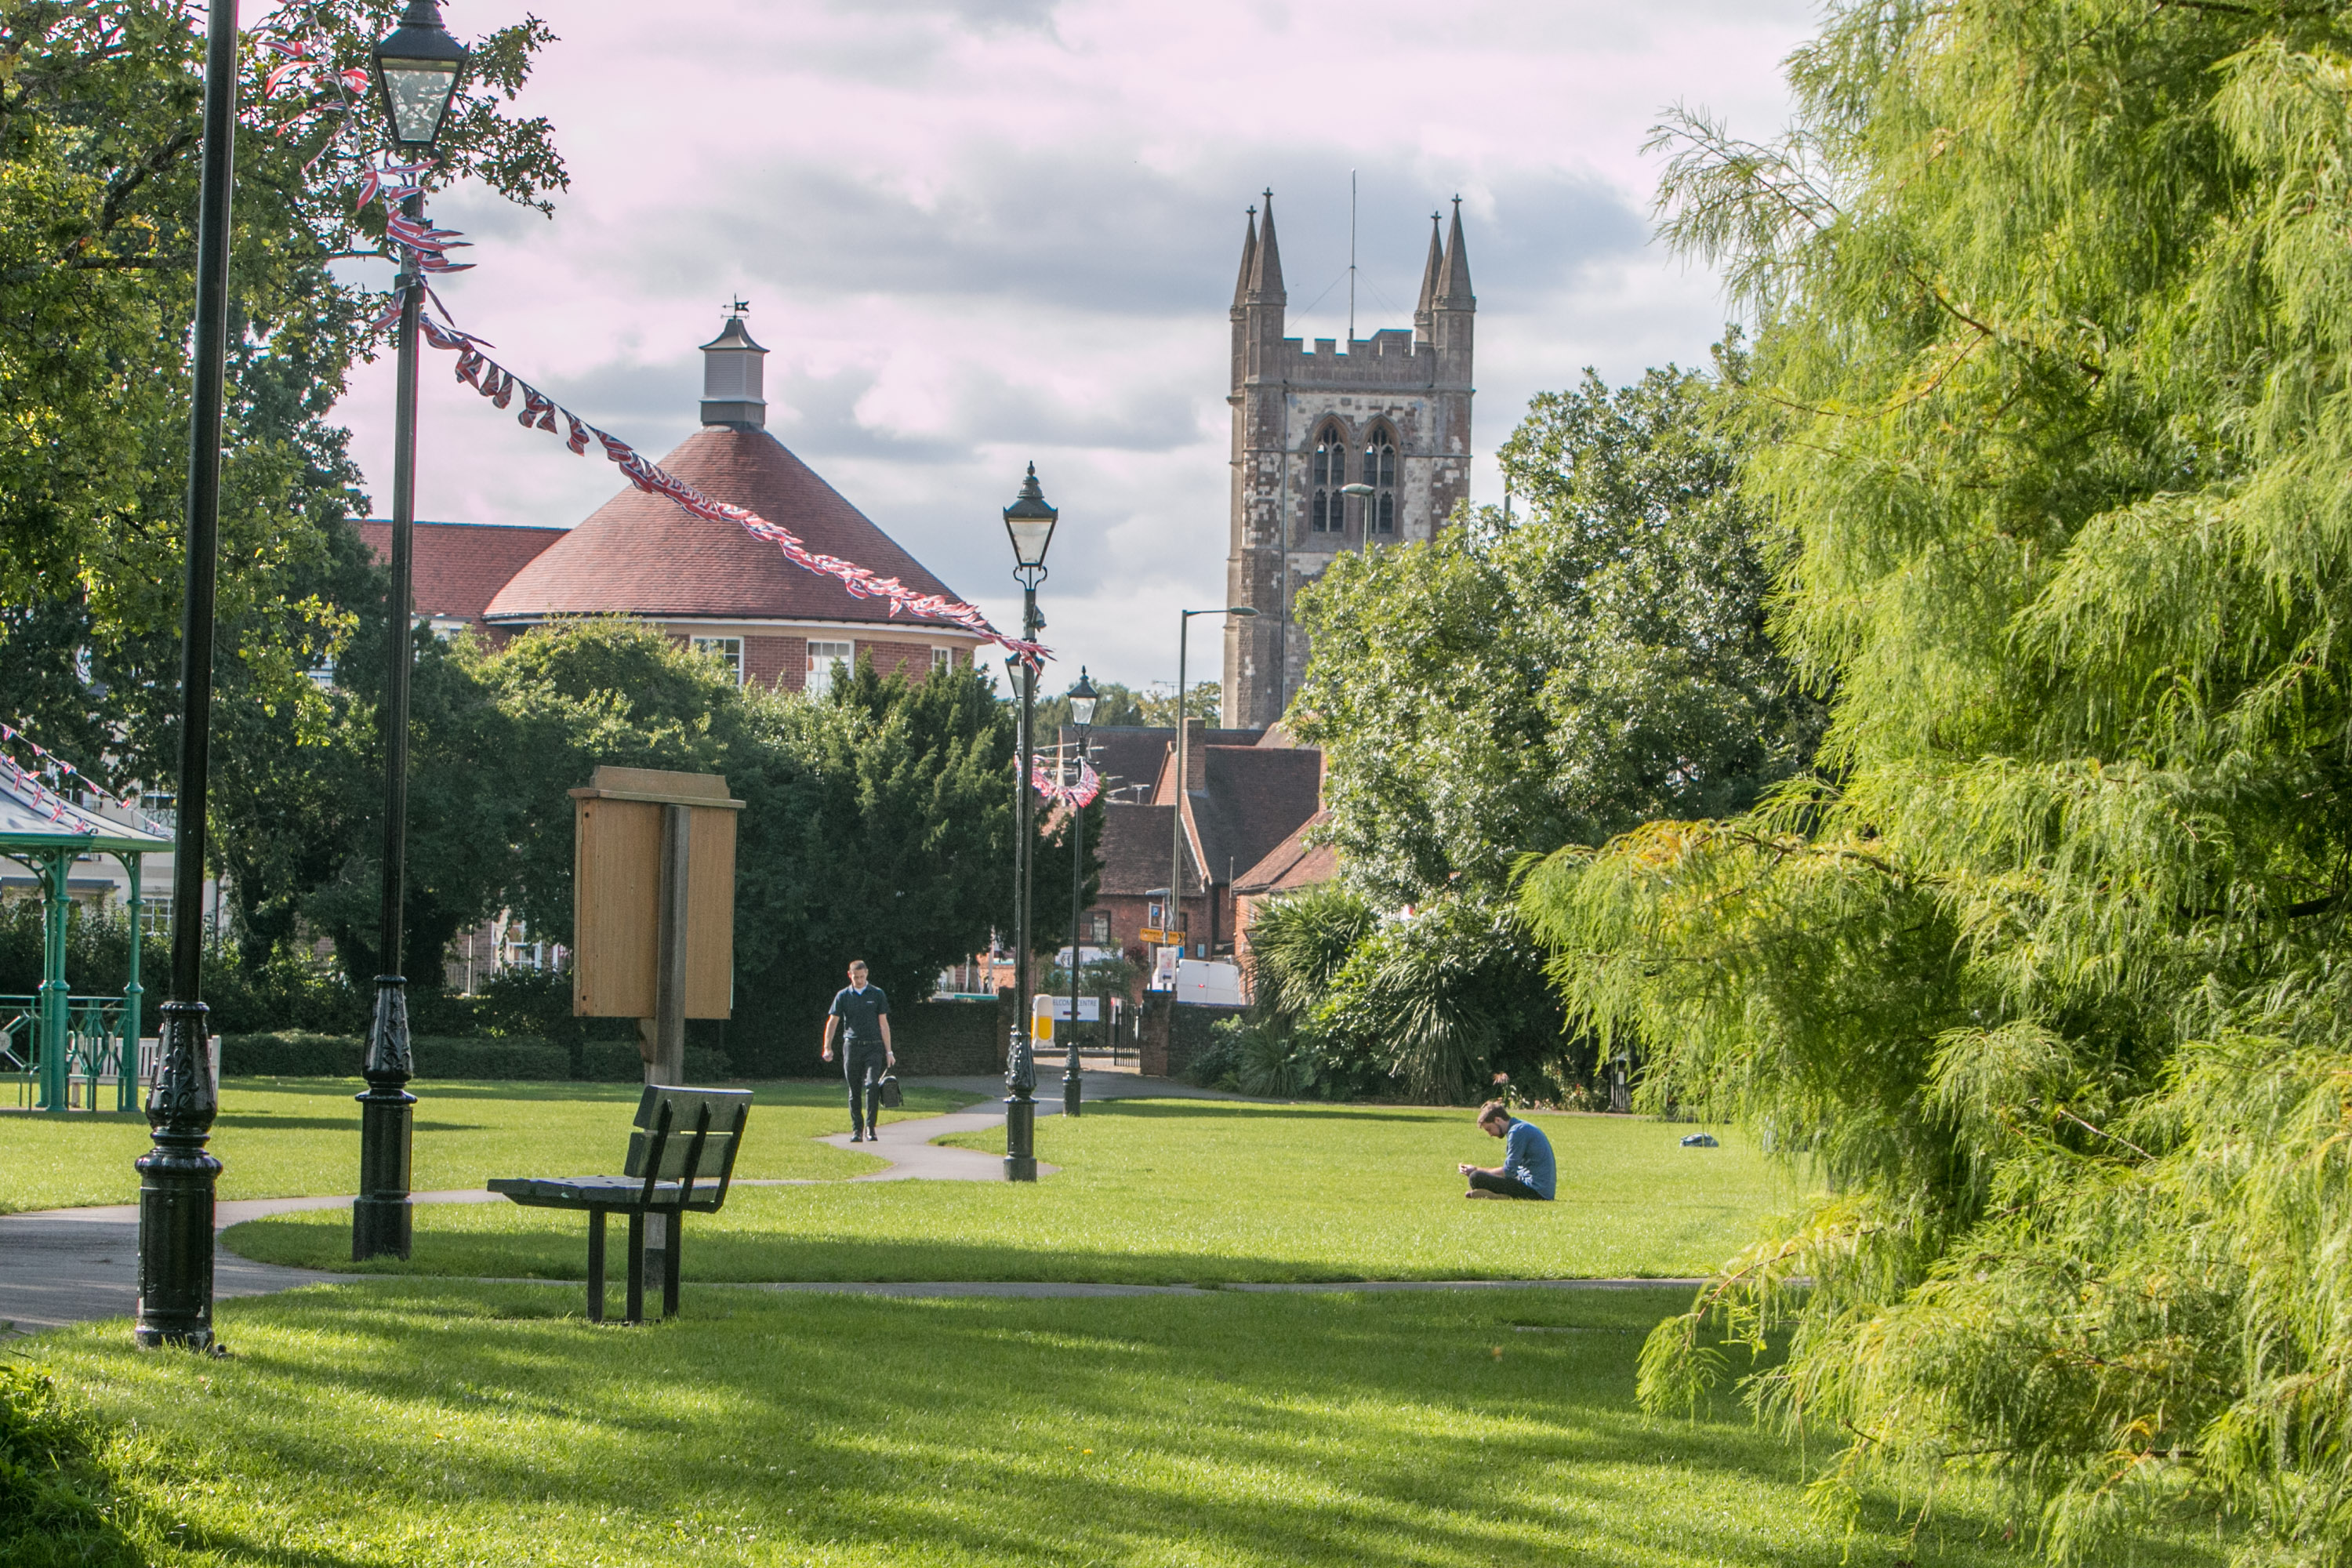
column 1029, row 524
column 1083, row 699
column 1170, row 910
column 417, row 71
column 177, row 1175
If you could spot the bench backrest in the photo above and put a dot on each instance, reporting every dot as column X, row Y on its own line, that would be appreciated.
column 688, row 1135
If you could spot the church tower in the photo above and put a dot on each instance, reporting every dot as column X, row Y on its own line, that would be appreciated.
column 1393, row 412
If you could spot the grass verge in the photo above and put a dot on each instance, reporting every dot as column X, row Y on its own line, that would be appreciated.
column 1157, row 1191
column 432, row 1424
column 300, row 1137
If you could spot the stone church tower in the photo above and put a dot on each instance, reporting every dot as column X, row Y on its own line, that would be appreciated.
column 1393, row 412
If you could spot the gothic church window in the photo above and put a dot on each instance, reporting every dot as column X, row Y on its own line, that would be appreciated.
column 1329, row 511
column 1379, row 472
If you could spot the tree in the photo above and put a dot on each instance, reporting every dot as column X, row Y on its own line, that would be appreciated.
column 1514, row 685
column 1157, row 706
column 2044, row 974
column 100, row 143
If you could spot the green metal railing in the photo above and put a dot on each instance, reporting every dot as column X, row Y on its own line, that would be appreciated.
column 95, row 1048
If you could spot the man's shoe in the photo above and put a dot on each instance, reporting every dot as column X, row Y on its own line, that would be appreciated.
column 1481, row 1192
column 857, row 1137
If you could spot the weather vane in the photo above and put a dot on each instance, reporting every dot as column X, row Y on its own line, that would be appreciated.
column 739, row 307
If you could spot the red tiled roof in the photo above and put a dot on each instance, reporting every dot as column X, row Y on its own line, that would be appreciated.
column 1293, row 863
column 643, row 554
column 459, row 567
column 1134, row 849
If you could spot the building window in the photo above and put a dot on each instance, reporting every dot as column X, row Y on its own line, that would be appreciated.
column 822, row 657
column 942, row 659
column 1098, row 929
column 727, row 651
column 1329, row 511
column 156, row 917
column 1379, row 472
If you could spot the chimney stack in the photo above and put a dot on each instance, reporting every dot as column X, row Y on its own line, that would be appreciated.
column 733, row 381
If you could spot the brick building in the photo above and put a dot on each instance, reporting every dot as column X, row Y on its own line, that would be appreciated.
column 1393, row 412
column 1246, row 792
column 708, row 583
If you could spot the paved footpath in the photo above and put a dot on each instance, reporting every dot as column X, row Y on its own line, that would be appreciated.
column 69, row 1266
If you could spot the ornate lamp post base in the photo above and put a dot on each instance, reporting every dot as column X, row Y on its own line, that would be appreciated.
column 175, row 1189
column 381, row 1215
column 1020, row 1111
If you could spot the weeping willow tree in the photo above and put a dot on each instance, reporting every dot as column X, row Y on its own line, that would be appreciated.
column 2043, row 972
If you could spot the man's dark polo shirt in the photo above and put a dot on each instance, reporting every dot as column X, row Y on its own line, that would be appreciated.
column 861, row 1014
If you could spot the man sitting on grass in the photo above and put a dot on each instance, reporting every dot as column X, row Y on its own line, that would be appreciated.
column 1527, row 1168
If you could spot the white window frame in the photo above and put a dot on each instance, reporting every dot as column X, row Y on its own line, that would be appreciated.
column 818, row 682
column 942, row 659
column 727, row 650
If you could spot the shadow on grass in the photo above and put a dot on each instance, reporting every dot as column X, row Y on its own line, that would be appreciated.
column 1252, row 1429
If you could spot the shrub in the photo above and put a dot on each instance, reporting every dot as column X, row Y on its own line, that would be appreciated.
column 296, row 1054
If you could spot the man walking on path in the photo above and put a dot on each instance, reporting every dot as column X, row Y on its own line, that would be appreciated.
column 1527, row 1171
column 861, row 1014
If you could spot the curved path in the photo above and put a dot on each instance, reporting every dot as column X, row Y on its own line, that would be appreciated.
column 67, row 1266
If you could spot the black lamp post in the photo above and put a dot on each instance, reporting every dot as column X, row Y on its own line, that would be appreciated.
column 1030, row 523
column 417, row 71
column 177, row 1175
column 1082, row 698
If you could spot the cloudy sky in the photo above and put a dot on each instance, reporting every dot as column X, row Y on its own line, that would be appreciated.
column 976, row 233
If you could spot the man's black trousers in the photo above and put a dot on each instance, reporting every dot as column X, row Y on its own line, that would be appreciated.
column 864, row 1063
column 1505, row 1186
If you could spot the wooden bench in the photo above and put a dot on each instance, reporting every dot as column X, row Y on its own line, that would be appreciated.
column 681, row 1137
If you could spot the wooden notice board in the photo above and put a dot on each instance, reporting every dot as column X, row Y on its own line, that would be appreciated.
column 616, row 892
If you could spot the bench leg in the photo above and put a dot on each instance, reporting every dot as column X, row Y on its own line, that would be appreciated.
column 595, row 1266
column 636, row 1312
column 669, row 1263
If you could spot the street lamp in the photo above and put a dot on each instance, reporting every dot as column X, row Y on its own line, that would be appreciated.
column 1029, row 524
column 1082, row 698
column 1175, row 899
column 417, row 71
column 1366, row 492
column 178, row 1175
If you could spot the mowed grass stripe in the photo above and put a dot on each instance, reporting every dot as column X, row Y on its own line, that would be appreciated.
column 1164, row 1192
column 300, row 1137
column 436, row 1423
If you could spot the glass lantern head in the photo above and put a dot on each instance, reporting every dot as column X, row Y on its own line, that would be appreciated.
column 1030, row 523
column 416, row 70
column 1084, row 700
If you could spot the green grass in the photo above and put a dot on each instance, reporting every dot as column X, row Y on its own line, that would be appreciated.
column 435, row 1424
column 300, row 1137
column 1173, row 1191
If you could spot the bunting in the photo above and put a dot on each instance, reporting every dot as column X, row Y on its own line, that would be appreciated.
column 43, row 795
column 1077, row 795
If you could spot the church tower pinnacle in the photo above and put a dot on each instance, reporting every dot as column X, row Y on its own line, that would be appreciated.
column 1315, row 430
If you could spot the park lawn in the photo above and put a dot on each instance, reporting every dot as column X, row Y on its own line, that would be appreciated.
column 1174, row 1191
column 433, row 1424
column 300, row 1137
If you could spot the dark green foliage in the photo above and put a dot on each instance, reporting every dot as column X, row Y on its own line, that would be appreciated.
column 294, row 1054
column 55, row 1508
column 1598, row 660
column 2051, row 403
column 1440, row 1003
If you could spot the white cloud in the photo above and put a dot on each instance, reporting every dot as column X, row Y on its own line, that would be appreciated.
column 976, row 232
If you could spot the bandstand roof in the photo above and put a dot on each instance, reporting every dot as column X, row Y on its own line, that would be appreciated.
column 33, row 817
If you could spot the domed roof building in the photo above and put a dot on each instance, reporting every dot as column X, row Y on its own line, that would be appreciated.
column 713, row 584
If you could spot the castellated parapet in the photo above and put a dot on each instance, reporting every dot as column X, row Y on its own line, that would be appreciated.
column 1393, row 412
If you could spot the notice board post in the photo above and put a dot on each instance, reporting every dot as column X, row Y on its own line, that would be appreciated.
column 654, row 906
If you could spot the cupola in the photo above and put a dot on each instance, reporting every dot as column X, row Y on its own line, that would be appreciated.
column 733, row 381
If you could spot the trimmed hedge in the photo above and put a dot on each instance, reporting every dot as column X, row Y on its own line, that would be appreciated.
column 294, row 1053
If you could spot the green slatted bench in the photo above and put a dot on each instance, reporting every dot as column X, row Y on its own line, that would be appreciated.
column 681, row 1137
